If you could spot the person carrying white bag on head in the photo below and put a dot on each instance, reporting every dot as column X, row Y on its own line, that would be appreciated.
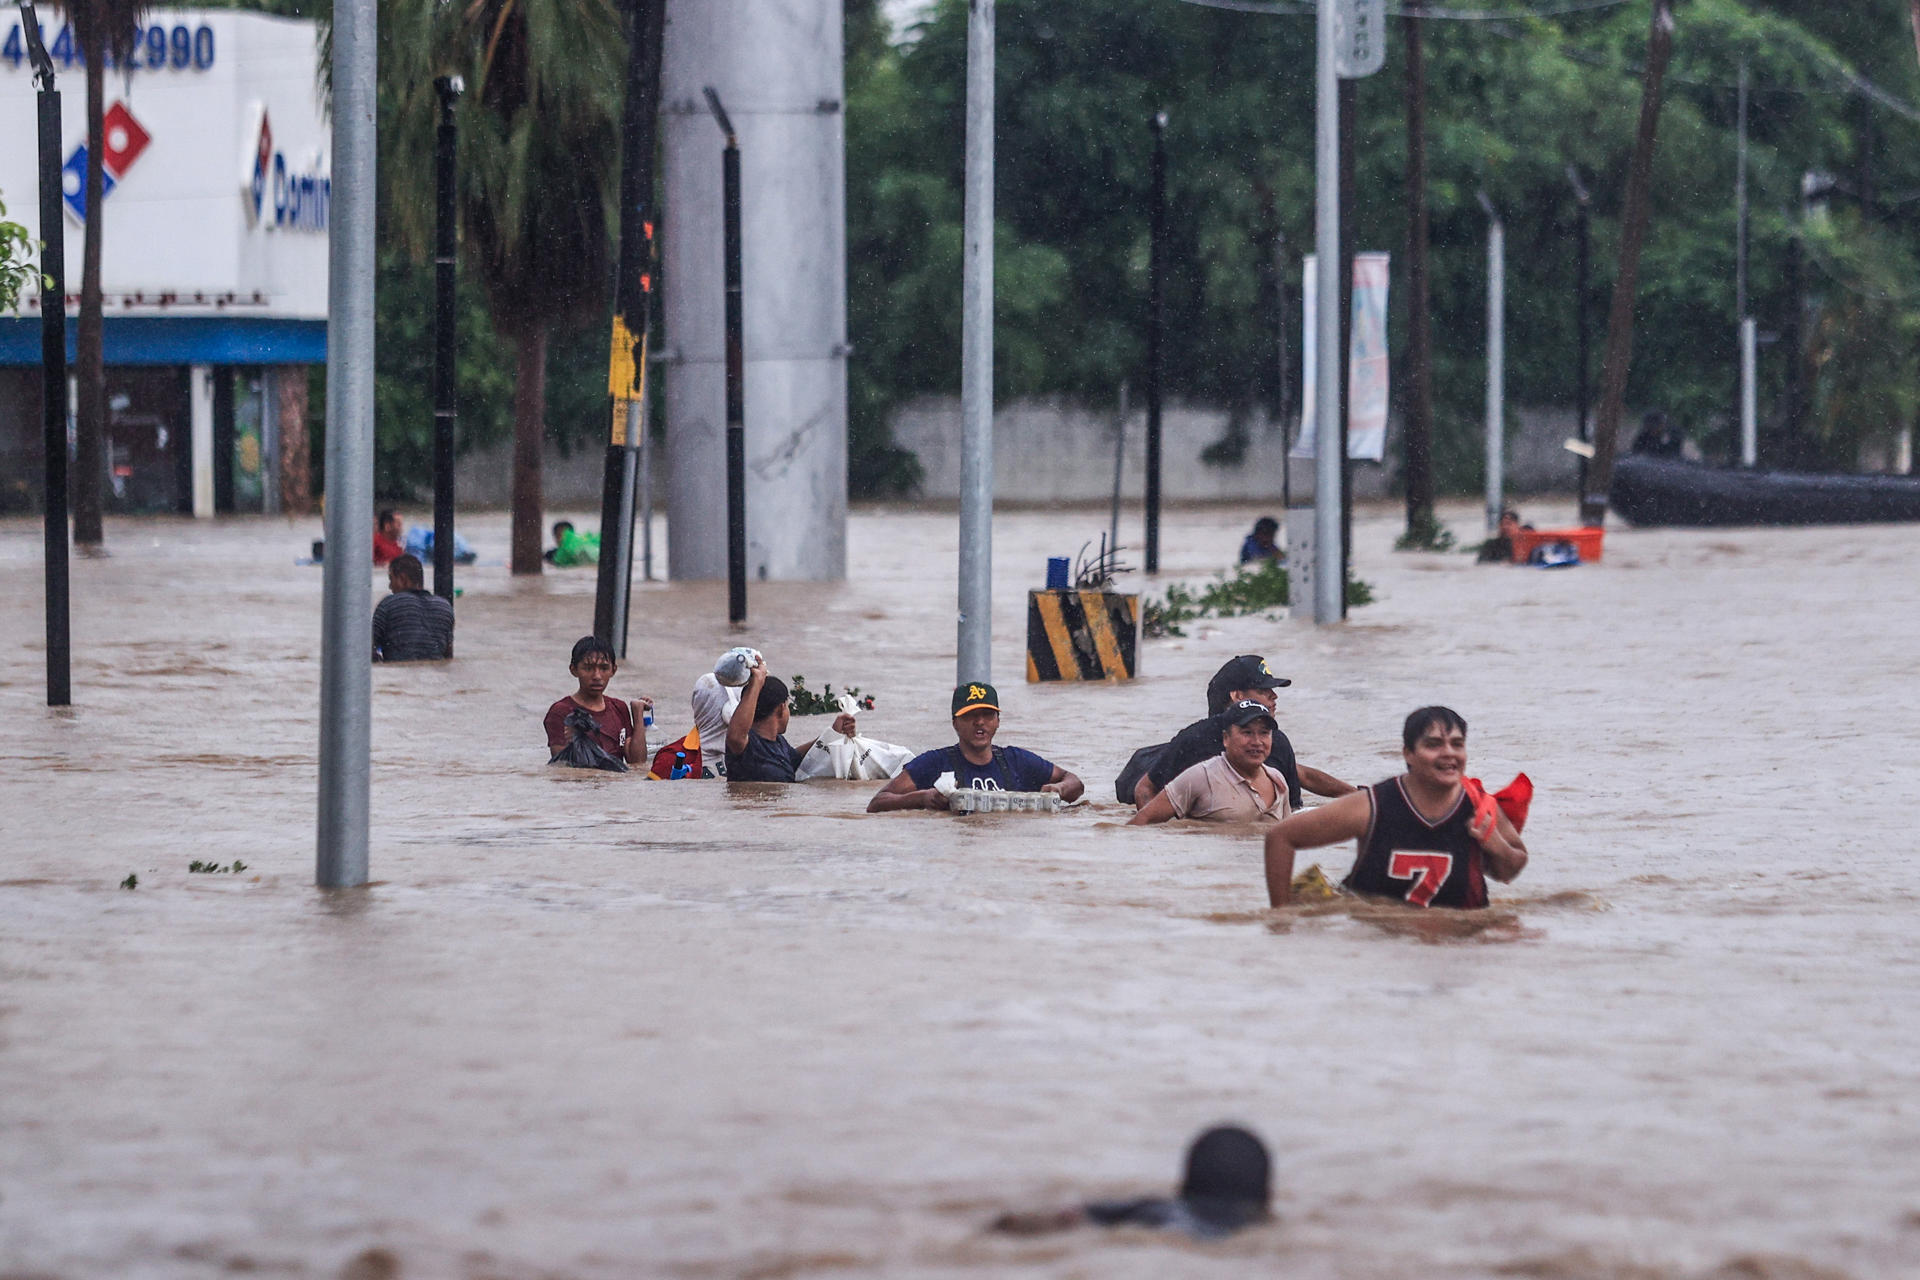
column 839, row 755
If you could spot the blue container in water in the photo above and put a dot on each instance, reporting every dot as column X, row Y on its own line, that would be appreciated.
column 1057, row 567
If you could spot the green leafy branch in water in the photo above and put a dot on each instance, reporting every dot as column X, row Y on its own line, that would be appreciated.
column 131, row 882
column 197, row 867
column 1256, row 588
column 1425, row 533
column 805, row 702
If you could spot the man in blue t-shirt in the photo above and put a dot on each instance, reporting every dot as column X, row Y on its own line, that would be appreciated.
column 974, row 761
column 757, row 746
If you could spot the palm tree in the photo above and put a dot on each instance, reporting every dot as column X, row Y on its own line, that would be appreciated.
column 103, row 29
column 539, row 158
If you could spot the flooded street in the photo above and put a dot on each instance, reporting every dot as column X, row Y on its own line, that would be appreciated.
column 587, row 1026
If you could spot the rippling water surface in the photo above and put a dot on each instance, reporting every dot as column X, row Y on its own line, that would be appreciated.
column 588, row 1026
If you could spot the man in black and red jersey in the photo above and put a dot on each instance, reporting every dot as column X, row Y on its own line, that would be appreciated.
column 1424, row 838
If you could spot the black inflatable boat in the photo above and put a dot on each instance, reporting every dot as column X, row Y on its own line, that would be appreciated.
column 1667, row 491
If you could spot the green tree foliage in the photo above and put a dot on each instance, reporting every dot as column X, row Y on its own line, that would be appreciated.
column 16, row 261
column 538, row 155
column 1510, row 105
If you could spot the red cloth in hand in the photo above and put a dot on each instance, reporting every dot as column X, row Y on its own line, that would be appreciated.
column 1514, row 800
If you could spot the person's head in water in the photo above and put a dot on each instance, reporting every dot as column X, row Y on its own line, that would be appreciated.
column 405, row 573
column 1228, row 1179
column 1434, row 742
column 388, row 523
column 771, row 711
column 1509, row 523
column 561, row 528
column 976, row 715
column 593, row 665
column 1243, row 679
column 1248, row 738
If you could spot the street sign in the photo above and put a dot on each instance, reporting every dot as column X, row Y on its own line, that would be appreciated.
column 1360, row 45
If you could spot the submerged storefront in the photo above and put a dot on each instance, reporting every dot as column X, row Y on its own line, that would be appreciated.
column 214, row 261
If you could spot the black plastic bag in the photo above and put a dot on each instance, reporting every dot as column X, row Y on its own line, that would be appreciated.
column 581, row 751
column 1137, row 765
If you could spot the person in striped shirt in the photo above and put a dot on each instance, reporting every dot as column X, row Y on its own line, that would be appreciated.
column 411, row 624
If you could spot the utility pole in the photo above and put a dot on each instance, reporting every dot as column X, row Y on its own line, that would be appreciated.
column 1496, row 363
column 1583, row 238
column 1349, row 98
column 1419, row 399
column 1329, row 585
column 1749, row 398
column 736, row 368
column 632, row 321
column 1156, row 330
column 1633, row 235
column 53, row 367
column 346, row 664
column 975, row 660
column 446, row 414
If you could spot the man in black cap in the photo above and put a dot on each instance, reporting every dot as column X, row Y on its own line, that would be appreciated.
column 1241, row 679
column 973, row 760
column 1238, row 785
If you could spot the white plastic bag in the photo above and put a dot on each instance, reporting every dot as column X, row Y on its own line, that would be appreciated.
column 834, row 755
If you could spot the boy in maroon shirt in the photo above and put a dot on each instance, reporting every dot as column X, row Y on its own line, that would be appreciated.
column 618, row 726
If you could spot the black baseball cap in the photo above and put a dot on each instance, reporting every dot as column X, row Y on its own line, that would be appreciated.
column 975, row 695
column 1248, row 712
column 1248, row 671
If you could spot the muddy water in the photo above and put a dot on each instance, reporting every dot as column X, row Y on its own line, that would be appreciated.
column 586, row 1026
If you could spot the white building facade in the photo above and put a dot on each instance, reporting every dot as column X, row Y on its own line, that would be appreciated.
column 214, row 258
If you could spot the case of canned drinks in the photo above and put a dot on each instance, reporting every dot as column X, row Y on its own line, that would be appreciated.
column 977, row 800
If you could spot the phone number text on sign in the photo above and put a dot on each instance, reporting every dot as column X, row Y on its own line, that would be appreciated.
column 155, row 48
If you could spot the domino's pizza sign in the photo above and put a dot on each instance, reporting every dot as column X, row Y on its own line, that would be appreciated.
column 124, row 140
column 280, row 195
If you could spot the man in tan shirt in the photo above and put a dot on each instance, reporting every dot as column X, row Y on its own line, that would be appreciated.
column 1238, row 785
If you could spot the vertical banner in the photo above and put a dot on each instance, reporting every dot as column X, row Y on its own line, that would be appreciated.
column 1368, row 381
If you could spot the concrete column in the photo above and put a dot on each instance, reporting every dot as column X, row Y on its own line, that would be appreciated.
column 200, row 418
column 777, row 66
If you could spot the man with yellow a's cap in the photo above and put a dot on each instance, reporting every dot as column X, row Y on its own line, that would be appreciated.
column 973, row 760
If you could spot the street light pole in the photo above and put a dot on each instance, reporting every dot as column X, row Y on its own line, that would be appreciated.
column 53, row 368
column 975, row 649
column 346, row 667
column 1156, row 330
column 446, row 416
column 736, row 369
column 1329, row 590
column 1583, row 233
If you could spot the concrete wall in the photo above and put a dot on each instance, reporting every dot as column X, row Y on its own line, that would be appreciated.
column 1054, row 450
column 1047, row 450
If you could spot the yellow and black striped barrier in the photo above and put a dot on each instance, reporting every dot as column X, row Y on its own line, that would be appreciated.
column 1082, row 635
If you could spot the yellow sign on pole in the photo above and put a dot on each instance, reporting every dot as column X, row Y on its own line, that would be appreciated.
column 626, row 373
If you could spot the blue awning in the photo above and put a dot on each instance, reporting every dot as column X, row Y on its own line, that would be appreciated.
column 149, row 340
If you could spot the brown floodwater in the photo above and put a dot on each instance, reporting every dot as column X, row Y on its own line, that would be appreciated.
column 591, row 1026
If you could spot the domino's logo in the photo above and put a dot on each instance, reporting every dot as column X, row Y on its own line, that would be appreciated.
column 278, row 194
column 124, row 140
column 260, row 173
